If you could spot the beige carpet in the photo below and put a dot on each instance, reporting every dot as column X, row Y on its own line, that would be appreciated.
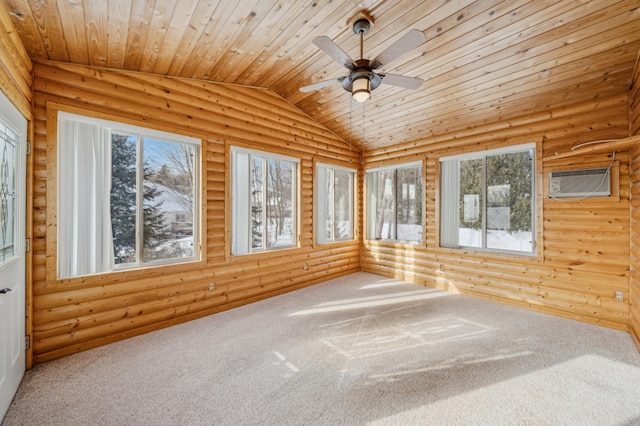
column 357, row 350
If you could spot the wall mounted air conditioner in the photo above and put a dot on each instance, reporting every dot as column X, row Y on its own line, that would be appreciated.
column 580, row 183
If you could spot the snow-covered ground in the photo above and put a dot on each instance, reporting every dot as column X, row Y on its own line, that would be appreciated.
column 502, row 240
column 405, row 232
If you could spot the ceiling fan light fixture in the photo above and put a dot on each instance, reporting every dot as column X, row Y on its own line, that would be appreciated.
column 361, row 89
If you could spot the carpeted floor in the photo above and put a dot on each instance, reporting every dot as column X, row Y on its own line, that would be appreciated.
column 357, row 350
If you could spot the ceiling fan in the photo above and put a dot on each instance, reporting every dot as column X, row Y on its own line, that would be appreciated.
column 362, row 78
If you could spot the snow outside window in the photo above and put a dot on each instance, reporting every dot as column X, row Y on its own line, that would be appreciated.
column 394, row 203
column 334, row 189
column 487, row 200
column 127, row 196
column 264, row 201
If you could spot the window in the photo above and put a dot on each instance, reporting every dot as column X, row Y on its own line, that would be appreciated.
column 9, row 147
column 487, row 200
column 394, row 203
column 121, row 189
column 264, row 201
column 334, row 203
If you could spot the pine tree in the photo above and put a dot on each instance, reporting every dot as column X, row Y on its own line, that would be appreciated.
column 154, row 229
column 124, row 204
column 123, row 198
column 513, row 171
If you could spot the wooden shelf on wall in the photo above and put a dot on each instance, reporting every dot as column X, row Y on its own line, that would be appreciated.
column 599, row 148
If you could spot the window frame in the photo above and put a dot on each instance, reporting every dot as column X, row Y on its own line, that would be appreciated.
column 119, row 125
column 536, row 200
column 295, row 215
column 370, row 213
column 318, row 204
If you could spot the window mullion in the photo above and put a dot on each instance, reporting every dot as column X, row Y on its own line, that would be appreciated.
column 332, row 194
column 484, row 202
column 295, row 236
column 139, row 200
column 352, row 203
column 265, row 203
column 250, row 204
column 394, row 189
column 532, row 168
column 195, row 207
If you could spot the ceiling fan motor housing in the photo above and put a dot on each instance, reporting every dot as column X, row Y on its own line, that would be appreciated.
column 361, row 70
column 361, row 26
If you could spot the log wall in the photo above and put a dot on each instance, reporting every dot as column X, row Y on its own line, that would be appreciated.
column 634, row 129
column 15, row 66
column 582, row 245
column 76, row 314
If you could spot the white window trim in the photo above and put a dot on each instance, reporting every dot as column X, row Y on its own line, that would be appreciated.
column 455, row 218
column 352, row 201
column 115, row 126
column 265, row 154
column 395, row 166
column 145, row 132
column 234, row 203
column 489, row 152
column 368, row 201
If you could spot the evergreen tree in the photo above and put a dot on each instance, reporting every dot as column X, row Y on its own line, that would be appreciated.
column 512, row 172
column 123, row 197
column 154, row 229
column 123, row 204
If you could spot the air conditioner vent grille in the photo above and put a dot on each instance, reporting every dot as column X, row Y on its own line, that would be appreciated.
column 580, row 183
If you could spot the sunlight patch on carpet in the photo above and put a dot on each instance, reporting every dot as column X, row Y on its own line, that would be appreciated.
column 408, row 336
column 371, row 302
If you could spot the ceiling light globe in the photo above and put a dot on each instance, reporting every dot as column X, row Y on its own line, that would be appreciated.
column 360, row 90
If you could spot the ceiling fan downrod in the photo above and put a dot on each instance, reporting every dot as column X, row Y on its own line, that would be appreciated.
column 361, row 27
column 360, row 80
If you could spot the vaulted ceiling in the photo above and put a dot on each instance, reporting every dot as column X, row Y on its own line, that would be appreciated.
column 483, row 61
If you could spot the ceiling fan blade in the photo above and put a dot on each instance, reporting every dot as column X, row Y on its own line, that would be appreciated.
column 333, row 50
column 407, row 42
column 321, row 84
column 401, row 81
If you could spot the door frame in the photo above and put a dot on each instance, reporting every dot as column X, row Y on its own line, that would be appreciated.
column 13, row 116
column 14, row 99
column 28, row 228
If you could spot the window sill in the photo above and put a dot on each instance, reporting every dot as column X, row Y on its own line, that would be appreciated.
column 487, row 253
column 394, row 243
column 122, row 275
column 266, row 253
column 337, row 243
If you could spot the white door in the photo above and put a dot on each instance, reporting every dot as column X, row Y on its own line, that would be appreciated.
column 13, row 130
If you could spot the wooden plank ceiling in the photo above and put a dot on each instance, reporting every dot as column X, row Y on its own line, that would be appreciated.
column 483, row 61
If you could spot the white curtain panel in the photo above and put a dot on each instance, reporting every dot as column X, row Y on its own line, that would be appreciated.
column 321, row 204
column 85, row 243
column 240, row 203
column 449, row 203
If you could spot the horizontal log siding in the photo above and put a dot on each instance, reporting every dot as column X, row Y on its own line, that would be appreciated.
column 15, row 66
column 78, row 314
column 634, row 129
column 634, row 101
column 585, row 245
